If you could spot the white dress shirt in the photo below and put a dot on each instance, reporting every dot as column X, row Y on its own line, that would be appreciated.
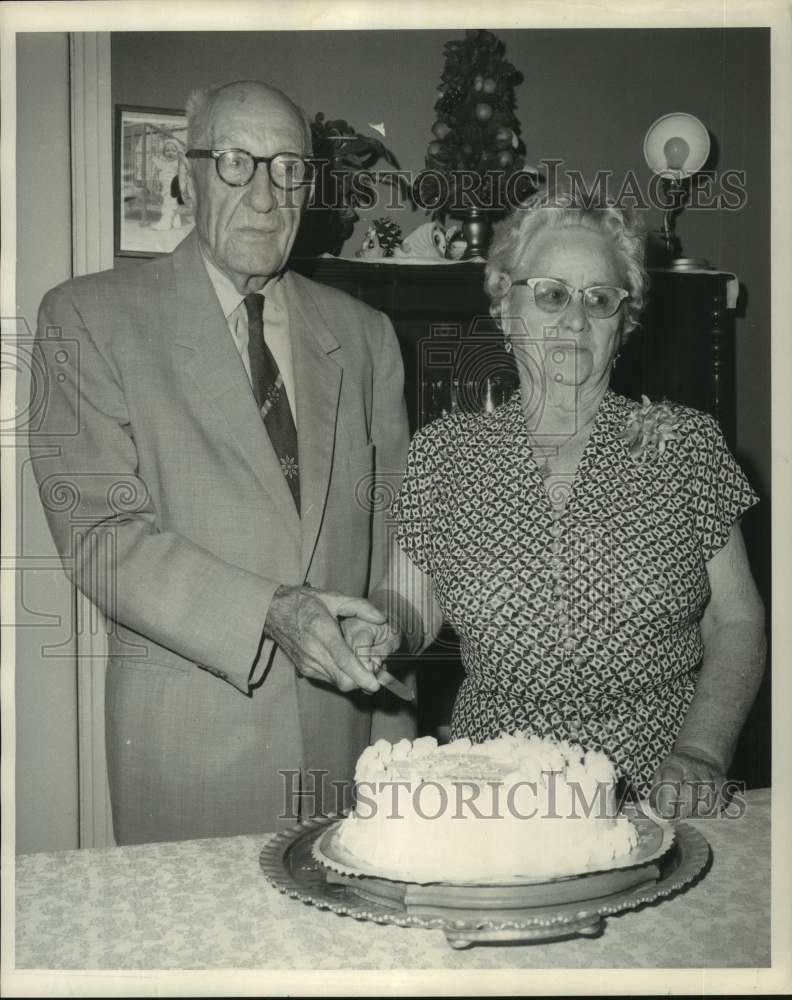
column 276, row 324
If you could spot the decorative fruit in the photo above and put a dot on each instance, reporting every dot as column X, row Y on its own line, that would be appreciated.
column 435, row 149
column 451, row 98
column 505, row 158
column 440, row 129
column 489, row 86
column 478, row 83
column 483, row 111
column 503, row 137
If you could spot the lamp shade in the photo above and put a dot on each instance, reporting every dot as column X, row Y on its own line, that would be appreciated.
column 677, row 145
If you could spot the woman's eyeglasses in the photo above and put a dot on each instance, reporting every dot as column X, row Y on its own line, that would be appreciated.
column 552, row 295
column 236, row 167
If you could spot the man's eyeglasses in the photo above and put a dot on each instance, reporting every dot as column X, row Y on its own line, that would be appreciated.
column 236, row 167
column 552, row 295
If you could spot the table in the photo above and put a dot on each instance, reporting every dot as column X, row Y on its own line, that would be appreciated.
column 204, row 904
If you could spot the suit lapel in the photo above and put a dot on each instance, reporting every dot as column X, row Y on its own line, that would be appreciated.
column 218, row 372
column 317, row 375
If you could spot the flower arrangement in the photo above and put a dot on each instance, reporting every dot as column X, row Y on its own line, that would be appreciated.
column 649, row 428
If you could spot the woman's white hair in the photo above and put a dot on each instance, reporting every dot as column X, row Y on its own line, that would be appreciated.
column 563, row 210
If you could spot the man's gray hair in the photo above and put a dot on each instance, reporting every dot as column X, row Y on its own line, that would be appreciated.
column 201, row 102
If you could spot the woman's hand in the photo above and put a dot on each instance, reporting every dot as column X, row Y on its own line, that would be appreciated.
column 371, row 643
column 304, row 623
column 689, row 782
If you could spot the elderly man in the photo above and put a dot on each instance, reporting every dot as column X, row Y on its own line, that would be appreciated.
column 234, row 426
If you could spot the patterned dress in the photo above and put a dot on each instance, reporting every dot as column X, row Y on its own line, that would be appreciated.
column 578, row 621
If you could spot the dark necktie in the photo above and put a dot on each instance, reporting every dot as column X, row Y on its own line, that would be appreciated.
column 270, row 393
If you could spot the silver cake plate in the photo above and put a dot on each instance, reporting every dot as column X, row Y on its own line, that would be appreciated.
column 470, row 914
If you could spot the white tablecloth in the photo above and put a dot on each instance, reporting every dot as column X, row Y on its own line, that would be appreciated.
column 204, row 904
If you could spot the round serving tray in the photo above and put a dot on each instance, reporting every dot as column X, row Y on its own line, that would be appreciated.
column 288, row 863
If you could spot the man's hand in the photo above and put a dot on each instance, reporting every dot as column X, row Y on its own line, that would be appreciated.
column 303, row 622
column 371, row 644
column 689, row 782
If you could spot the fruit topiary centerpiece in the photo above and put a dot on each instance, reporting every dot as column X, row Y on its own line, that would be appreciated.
column 475, row 161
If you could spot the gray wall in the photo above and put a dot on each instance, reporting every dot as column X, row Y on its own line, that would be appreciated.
column 46, row 686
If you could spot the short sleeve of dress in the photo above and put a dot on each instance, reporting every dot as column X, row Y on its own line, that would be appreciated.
column 413, row 510
column 719, row 490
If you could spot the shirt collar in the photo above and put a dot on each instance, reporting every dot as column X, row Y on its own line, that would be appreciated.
column 608, row 422
column 227, row 295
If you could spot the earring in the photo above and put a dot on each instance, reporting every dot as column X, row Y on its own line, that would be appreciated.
column 507, row 344
column 613, row 363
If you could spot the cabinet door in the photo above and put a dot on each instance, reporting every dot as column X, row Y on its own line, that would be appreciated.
column 684, row 349
column 452, row 349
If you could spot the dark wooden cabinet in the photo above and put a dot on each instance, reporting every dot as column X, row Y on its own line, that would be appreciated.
column 684, row 348
column 437, row 312
column 453, row 352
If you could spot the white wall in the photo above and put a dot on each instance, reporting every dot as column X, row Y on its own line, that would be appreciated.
column 46, row 692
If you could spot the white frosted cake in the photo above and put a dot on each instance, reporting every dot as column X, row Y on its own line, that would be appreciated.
column 514, row 806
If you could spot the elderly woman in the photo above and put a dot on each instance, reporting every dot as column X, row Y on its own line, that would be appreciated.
column 585, row 548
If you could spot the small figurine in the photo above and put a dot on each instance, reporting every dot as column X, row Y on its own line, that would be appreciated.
column 428, row 240
column 456, row 244
column 382, row 238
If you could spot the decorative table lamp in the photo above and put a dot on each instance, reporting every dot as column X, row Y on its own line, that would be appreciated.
column 676, row 147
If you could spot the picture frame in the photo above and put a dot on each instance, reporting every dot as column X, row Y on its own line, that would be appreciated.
column 150, row 217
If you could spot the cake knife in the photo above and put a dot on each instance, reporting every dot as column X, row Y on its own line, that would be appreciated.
column 397, row 687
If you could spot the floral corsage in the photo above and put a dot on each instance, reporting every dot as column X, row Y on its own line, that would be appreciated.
column 649, row 429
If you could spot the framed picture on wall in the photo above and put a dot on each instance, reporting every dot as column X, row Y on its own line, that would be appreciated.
column 150, row 215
